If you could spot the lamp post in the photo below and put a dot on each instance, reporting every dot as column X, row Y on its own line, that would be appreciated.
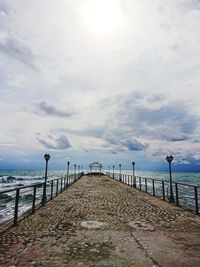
column 74, row 171
column 44, row 197
column 120, row 172
column 113, row 171
column 169, row 160
column 78, row 168
column 134, row 179
column 68, row 173
column 109, row 170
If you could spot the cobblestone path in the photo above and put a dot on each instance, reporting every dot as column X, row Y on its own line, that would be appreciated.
column 100, row 222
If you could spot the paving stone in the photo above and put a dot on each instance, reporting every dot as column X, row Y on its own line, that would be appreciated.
column 137, row 230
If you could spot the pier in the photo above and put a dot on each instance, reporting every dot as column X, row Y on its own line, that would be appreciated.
column 99, row 221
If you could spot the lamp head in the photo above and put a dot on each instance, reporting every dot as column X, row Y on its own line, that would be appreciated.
column 169, row 158
column 47, row 157
column 133, row 163
column 68, row 163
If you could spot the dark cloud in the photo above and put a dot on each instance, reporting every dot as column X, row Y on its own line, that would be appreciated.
column 176, row 139
column 54, row 143
column 119, row 145
column 169, row 120
column 134, row 145
column 14, row 49
column 134, row 122
column 50, row 110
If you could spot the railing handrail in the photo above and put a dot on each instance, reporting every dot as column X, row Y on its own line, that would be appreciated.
column 133, row 180
column 61, row 184
column 159, row 180
column 32, row 185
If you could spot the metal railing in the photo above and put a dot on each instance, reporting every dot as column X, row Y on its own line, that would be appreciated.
column 16, row 203
column 186, row 195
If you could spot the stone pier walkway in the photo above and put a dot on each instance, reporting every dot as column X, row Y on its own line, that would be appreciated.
column 100, row 222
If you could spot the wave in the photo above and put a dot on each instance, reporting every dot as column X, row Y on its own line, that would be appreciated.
column 5, row 198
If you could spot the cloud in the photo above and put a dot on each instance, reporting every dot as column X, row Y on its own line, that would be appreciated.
column 189, row 5
column 118, row 145
column 148, row 123
column 168, row 120
column 3, row 8
column 131, row 89
column 46, row 108
column 134, row 145
column 15, row 49
column 54, row 143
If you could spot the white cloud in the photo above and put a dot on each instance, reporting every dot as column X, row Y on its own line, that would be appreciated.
column 138, row 85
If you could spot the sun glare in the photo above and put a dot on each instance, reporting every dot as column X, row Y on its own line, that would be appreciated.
column 103, row 16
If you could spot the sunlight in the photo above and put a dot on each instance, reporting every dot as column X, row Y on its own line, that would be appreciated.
column 103, row 16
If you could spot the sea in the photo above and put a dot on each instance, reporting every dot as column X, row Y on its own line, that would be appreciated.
column 14, row 178
column 11, row 179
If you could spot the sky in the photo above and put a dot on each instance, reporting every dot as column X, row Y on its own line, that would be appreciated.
column 113, row 81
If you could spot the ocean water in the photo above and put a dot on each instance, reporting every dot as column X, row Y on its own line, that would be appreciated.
column 192, row 178
column 14, row 178
column 10, row 179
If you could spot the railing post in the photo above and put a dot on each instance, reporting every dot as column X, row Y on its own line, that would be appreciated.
column 64, row 182
column 16, row 206
column 61, row 188
column 145, row 185
column 34, row 197
column 140, row 183
column 52, row 189
column 176, row 189
column 153, row 186
column 57, row 188
column 44, row 197
column 135, row 181
column 163, row 190
column 196, row 200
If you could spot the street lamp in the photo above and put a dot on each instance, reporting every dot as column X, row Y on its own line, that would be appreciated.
column 113, row 171
column 78, row 168
column 169, row 159
column 120, row 172
column 44, row 197
column 134, row 178
column 68, row 173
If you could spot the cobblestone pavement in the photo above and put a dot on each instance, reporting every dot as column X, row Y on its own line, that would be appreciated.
column 100, row 222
